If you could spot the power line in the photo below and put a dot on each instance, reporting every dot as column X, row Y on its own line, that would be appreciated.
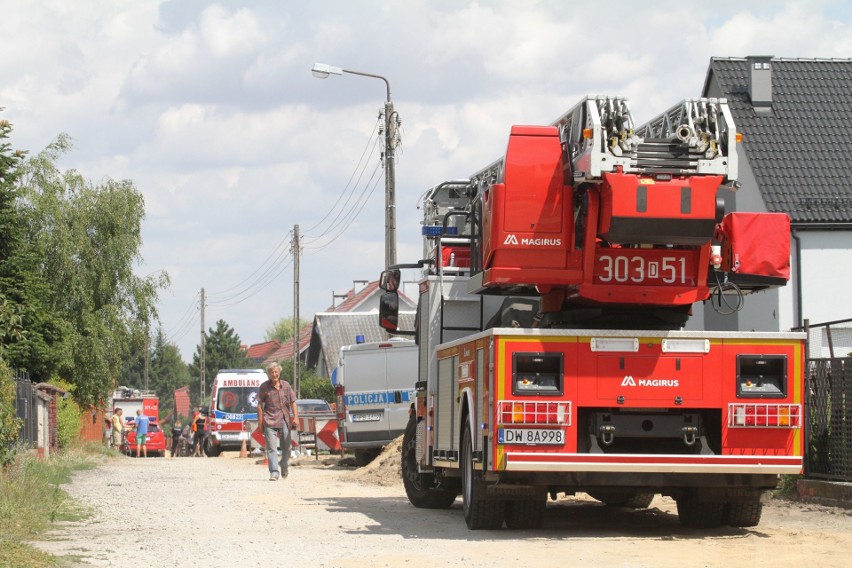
column 260, row 279
column 358, row 167
column 269, row 281
column 183, row 325
column 352, row 215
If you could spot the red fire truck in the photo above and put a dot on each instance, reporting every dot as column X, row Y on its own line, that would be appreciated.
column 130, row 400
column 553, row 359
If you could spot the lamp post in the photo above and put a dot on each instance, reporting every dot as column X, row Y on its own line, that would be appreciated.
column 322, row 71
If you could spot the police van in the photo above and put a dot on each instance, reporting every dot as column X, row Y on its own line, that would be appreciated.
column 374, row 384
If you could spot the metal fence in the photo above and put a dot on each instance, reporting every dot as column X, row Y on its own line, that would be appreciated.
column 828, row 381
column 26, row 409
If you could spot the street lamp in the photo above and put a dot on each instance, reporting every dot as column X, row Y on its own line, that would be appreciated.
column 322, row 71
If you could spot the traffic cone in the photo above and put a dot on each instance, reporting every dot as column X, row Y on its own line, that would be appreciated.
column 243, row 451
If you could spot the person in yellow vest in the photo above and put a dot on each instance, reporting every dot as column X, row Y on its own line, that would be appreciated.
column 119, row 426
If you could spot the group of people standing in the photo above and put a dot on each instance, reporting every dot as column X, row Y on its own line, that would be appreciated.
column 120, row 427
column 277, row 418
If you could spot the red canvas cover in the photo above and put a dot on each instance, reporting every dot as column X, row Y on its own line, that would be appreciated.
column 756, row 244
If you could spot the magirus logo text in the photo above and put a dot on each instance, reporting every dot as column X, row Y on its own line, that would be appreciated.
column 512, row 239
column 629, row 381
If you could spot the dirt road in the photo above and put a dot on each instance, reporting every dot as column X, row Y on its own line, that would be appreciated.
column 223, row 511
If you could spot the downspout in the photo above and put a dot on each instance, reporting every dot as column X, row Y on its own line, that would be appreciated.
column 795, row 235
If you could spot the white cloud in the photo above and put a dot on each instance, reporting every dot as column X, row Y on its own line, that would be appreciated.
column 213, row 112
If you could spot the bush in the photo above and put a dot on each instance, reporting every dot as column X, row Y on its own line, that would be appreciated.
column 313, row 386
column 68, row 415
column 10, row 424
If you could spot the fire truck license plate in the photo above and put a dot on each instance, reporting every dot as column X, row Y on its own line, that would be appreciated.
column 530, row 436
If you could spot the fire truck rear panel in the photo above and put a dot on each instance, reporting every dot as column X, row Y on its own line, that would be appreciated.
column 609, row 401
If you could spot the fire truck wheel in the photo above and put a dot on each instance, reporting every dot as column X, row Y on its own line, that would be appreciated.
column 623, row 499
column 527, row 514
column 696, row 514
column 479, row 513
column 742, row 514
column 419, row 487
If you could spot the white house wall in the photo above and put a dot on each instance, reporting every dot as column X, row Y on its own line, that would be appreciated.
column 826, row 275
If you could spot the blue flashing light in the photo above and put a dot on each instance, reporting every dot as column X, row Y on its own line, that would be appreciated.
column 438, row 230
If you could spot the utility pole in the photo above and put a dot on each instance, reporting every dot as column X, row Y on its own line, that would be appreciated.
column 296, row 377
column 323, row 71
column 390, row 183
column 147, row 355
column 201, row 356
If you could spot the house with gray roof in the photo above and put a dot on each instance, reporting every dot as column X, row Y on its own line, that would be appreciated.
column 795, row 116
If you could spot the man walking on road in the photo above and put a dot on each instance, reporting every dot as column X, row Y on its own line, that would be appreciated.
column 142, row 422
column 276, row 417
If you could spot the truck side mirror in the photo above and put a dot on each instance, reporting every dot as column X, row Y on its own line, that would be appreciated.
column 390, row 279
column 389, row 310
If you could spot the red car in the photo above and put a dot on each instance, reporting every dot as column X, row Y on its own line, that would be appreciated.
column 155, row 444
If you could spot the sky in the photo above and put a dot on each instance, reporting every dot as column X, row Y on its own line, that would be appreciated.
column 210, row 108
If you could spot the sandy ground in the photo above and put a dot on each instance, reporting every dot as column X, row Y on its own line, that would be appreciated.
column 224, row 512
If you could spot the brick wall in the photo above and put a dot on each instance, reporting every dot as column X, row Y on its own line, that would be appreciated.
column 92, row 424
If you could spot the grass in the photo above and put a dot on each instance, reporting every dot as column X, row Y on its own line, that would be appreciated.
column 788, row 487
column 32, row 500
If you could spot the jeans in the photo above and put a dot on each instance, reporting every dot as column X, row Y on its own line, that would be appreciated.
column 277, row 443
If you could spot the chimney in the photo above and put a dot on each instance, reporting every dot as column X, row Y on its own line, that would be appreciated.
column 760, row 83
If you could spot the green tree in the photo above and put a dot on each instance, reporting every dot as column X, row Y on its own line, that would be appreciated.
column 282, row 330
column 167, row 371
column 31, row 335
column 223, row 350
column 311, row 385
column 86, row 238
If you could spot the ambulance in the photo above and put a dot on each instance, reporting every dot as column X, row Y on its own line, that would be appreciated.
column 233, row 409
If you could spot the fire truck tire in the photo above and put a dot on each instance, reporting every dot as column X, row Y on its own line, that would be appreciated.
column 419, row 487
column 623, row 499
column 525, row 515
column 742, row 514
column 479, row 513
column 696, row 514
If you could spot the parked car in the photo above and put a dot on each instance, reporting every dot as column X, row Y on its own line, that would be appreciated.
column 155, row 444
column 312, row 406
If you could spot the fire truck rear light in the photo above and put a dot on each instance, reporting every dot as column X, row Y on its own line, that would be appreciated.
column 764, row 416
column 612, row 344
column 686, row 346
column 587, row 133
column 534, row 412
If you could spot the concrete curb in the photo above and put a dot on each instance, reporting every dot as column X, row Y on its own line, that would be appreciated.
column 831, row 493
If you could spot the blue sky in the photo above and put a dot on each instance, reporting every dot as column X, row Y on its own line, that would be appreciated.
column 211, row 109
